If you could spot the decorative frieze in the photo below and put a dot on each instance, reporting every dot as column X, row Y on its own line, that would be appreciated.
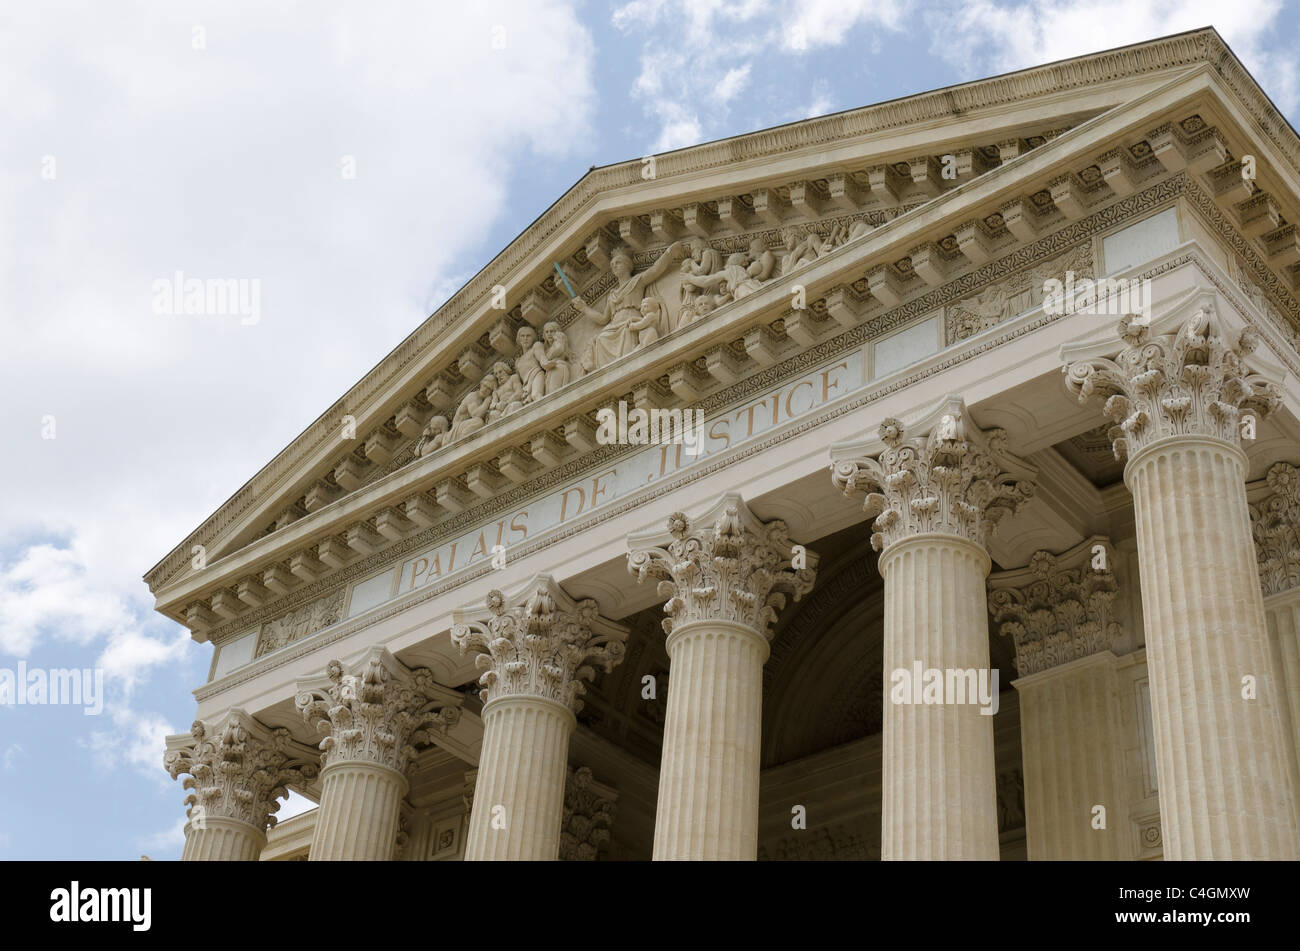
column 1275, row 523
column 544, row 645
column 238, row 769
column 589, row 809
column 1018, row 293
column 953, row 478
column 299, row 623
column 1192, row 382
column 380, row 714
column 1058, row 608
column 736, row 569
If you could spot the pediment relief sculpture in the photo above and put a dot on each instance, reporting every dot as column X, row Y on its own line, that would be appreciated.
column 300, row 623
column 1017, row 294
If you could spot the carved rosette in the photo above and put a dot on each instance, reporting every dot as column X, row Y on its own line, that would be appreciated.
column 588, row 816
column 737, row 569
column 383, row 714
column 544, row 646
column 239, row 771
column 1063, row 612
column 1191, row 383
column 1275, row 523
column 957, row 479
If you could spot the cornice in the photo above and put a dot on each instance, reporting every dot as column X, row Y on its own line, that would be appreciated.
column 1157, row 195
column 1014, row 329
column 1203, row 46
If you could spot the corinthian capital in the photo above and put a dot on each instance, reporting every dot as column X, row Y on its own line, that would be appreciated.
column 237, row 768
column 952, row 477
column 1189, row 383
column 730, row 567
column 1275, row 523
column 381, row 713
column 542, row 644
column 1058, row 608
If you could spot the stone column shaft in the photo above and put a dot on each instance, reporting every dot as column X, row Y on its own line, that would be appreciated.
column 1069, row 727
column 1180, row 402
column 727, row 579
column 709, row 771
column 937, row 498
column 519, row 796
column 939, row 789
column 1282, row 614
column 535, row 656
column 1224, row 771
column 373, row 718
column 359, row 806
column 237, row 769
column 222, row 840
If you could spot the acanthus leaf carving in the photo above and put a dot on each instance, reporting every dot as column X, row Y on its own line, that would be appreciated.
column 1275, row 523
column 956, row 479
column 1063, row 610
column 383, row 713
column 1192, row 382
column 544, row 645
column 588, row 815
column 736, row 569
column 238, row 770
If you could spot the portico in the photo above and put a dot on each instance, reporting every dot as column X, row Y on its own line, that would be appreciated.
column 470, row 626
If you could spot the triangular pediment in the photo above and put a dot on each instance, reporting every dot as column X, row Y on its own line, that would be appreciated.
column 663, row 281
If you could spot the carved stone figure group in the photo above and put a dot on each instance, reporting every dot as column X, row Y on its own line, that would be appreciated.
column 541, row 367
column 634, row 315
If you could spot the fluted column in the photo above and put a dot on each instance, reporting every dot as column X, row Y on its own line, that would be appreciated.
column 535, row 655
column 725, row 582
column 1179, row 401
column 1058, row 611
column 237, row 769
column 1275, row 519
column 373, row 718
column 936, row 498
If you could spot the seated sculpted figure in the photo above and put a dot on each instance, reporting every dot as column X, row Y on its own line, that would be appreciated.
column 434, row 435
column 471, row 414
column 530, row 365
column 561, row 365
column 800, row 249
column 509, row 395
column 648, row 324
column 622, row 307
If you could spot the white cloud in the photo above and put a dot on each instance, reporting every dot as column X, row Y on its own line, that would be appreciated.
column 982, row 36
column 11, row 754
column 225, row 162
column 698, row 56
column 732, row 83
column 49, row 590
column 171, row 839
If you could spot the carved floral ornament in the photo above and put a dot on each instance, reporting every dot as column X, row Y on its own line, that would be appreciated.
column 240, row 771
column 1061, row 613
column 737, row 569
column 588, row 814
column 383, row 714
column 955, row 479
column 1275, row 523
column 1192, row 382
column 543, row 646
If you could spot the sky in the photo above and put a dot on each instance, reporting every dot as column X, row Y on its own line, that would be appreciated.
column 360, row 162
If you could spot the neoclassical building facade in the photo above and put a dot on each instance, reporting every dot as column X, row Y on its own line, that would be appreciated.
column 916, row 482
